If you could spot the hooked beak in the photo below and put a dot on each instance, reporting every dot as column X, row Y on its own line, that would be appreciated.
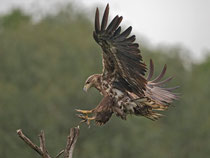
column 86, row 87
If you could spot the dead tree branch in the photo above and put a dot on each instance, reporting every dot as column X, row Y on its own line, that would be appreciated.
column 42, row 150
column 71, row 141
column 29, row 142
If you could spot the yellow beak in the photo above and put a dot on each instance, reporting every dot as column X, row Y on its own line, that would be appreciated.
column 86, row 87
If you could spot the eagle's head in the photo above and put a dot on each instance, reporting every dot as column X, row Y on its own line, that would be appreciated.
column 92, row 81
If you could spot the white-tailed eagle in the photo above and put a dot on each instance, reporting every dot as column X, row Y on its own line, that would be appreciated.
column 122, row 83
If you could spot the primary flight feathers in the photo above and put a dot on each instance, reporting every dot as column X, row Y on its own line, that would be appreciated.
column 125, row 54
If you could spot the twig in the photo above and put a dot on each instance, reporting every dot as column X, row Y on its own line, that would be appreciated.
column 43, row 145
column 59, row 154
column 71, row 141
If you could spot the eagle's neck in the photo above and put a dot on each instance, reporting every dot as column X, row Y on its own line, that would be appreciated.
column 100, row 87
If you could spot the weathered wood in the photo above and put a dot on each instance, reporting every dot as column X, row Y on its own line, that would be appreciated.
column 42, row 150
column 29, row 142
column 71, row 141
column 43, row 145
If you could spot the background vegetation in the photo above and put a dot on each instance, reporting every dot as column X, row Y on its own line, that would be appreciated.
column 43, row 67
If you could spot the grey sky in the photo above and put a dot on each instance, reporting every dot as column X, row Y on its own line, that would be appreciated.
column 185, row 22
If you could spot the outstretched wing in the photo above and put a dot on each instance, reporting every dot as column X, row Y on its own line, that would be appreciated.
column 121, row 56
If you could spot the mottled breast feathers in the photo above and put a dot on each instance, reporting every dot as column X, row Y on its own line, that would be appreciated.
column 121, row 56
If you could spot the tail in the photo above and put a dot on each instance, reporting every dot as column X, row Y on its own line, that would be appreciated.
column 157, row 97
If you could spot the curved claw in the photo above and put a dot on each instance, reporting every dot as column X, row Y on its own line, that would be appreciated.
column 84, row 116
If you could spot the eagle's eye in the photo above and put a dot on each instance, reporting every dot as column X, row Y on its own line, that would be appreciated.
column 87, row 82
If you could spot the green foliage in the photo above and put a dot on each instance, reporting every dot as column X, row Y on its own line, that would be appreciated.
column 14, row 19
column 43, row 67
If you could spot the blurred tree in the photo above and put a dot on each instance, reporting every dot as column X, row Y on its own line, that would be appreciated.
column 15, row 19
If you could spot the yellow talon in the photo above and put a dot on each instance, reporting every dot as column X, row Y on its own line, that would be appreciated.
column 84, row 116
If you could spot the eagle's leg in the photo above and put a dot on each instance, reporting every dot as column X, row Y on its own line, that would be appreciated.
column 84, row 111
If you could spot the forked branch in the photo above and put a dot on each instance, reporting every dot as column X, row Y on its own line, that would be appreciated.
column 71, row 141
column 42, row 150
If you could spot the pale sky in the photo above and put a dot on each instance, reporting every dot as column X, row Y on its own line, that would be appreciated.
column 185, row 22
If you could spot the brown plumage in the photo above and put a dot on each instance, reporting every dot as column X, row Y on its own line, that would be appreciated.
column 104, row 110
column 122, row 82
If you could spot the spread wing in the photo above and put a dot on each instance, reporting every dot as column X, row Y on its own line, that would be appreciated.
column 121, row 56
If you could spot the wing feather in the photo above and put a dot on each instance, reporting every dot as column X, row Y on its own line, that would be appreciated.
column 97, row 23
column 151, row 70
column 117, row 32
column 124, row 34
column 155, row 90
column 114, row 24
column 121, row 56
column 105, row 18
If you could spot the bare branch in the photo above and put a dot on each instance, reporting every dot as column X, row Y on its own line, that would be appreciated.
column 29, row 142
column 42, row 150
column 71, row 141
column 43, row 145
